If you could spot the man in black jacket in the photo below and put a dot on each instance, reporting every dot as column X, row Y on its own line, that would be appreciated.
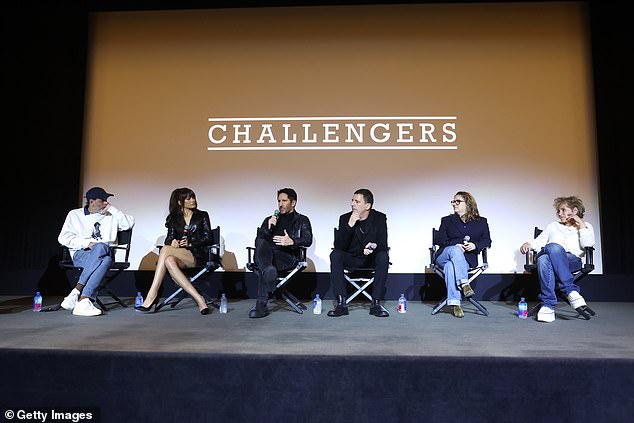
column 276, row 246
column 361, row 242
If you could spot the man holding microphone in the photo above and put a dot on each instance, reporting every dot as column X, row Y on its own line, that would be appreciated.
column 276, row 246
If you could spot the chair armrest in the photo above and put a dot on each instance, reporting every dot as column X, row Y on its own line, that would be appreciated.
column 301, row 253
column 485, row 259
column 432, row 252
column 213, row 256
column 529, row 264
column 589, row 258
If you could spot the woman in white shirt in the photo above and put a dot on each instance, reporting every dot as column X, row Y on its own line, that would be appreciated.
column 561, row 246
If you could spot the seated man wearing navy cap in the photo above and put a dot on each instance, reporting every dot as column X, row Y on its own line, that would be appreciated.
column 88, row 232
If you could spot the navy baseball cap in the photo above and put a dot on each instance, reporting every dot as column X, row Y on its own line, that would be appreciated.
column 97, row 193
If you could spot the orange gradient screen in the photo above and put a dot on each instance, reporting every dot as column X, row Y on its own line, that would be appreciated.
column 414, row 102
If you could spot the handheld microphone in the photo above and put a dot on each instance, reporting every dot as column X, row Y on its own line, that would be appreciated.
column 276, row 213
column 466, row 239
column 185, row 231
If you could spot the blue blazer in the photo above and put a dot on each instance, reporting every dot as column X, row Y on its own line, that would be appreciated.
column 453, row 230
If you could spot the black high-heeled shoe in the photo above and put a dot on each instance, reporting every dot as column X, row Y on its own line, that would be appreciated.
column 205, row 311
column 149, row 308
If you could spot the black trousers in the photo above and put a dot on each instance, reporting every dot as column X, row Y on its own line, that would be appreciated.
column 269, row 260
column 339, row 259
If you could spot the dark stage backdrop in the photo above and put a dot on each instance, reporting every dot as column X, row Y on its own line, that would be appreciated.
column 45, row 49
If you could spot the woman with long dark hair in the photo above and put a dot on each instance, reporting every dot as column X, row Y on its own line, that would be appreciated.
column 188, row 235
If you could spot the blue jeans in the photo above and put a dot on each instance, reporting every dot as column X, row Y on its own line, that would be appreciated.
column 555, row 264
column 95, row 263
column 456, row 270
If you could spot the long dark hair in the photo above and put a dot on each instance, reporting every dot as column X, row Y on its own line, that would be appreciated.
column 177, row 201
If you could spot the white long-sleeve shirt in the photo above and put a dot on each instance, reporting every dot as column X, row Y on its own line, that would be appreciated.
column 572, row 239
column 79, row 227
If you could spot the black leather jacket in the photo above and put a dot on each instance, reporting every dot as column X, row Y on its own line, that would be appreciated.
column 199, row 233
column 301, row 231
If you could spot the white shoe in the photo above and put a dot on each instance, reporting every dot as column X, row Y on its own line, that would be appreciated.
column 546, row 314
column 70, row 300
column 86, row 308
column 576, row 300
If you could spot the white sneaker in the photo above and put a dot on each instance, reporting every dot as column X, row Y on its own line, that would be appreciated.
column 575, row 299
column 546, row 314
column 86, row 308
column 70, row 300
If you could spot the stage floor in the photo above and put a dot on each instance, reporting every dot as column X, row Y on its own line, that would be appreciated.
column 610, row 334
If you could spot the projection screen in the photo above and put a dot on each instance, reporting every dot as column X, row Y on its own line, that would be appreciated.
column 413, row 102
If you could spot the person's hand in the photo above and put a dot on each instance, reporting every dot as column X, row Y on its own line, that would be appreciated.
column 575, row 220
column 174, row 243
column 525, row 247
column 369, row 248
column 183, row 242
column 105, row 206
column 272, row 221
column 90, row 246
column 354, row 216
column 468, row 246
column 283, row 240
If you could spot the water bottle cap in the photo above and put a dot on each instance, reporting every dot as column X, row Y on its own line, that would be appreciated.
column 37, row 293
column 223, row 294
column 317, row 296
column 522, row 298
column 138, row 293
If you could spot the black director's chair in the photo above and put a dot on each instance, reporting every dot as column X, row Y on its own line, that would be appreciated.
column 124, row 240
column 214, row 261
column 474, row 272
column 284, row 276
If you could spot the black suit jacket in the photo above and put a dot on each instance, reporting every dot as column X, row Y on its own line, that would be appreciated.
column 375, row 231
column 453, row 230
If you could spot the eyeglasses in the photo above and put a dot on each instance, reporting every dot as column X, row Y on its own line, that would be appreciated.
column 456, row 202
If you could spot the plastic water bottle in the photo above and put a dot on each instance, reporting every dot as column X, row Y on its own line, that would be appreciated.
column 522, row 309
column 402, row 304
column 223, row 304
column 37, row 302
column 138, row 301
column 317, row 305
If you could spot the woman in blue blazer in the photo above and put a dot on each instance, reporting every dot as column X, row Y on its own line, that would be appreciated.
column 461, row 237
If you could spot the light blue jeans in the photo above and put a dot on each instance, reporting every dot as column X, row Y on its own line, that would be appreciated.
column 456, row 271
column 95, row 263
column 555, row 264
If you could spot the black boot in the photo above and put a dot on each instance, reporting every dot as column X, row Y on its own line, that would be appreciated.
column 341, row 309
column 376, row 309
column 259, row 310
